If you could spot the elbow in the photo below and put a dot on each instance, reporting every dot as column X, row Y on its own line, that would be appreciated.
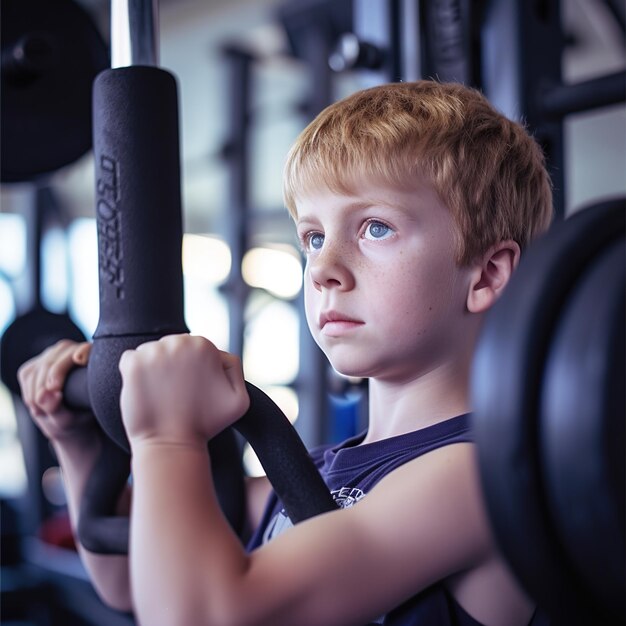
column 116, row 600
column 114, row 592
column 167, row 615
column 177, row 613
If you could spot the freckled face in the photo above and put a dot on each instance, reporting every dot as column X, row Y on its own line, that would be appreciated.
column 384, row 297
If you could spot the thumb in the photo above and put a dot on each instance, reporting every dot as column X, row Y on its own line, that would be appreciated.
column 233, row 371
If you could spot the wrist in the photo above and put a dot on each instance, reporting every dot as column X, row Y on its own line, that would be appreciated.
column 170, row 441
column 87, row 435
column 150, row 456
column 77, row 447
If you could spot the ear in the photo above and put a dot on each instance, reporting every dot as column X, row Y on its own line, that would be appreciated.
column 491, row 274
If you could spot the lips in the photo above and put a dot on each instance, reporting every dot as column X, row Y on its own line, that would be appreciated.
column 334, row 320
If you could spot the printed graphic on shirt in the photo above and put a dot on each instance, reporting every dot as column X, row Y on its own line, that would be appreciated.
column 345, row 497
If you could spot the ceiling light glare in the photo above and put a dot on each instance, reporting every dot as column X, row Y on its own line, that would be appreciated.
column 278, row 271
column 206, row 258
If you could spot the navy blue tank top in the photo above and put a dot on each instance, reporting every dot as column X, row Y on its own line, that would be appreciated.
column 351, row 470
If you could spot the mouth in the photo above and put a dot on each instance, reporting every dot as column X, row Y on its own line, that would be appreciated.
column 334, row 323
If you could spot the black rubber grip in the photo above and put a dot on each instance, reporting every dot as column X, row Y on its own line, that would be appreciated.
column 139, row 222
column 284, row 457
column 76, row 390
column 138, row 202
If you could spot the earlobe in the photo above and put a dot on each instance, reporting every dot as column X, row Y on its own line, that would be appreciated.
column 491, row 275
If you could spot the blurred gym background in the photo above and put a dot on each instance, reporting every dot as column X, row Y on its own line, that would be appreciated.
column 251, row 73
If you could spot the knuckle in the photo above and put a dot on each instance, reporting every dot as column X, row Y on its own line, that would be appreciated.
column 81, row 350
column 196, row 342
column 57, row 367
column 62, row 344
column 127, row 361
column 24, row 372
column 39, row 397
column 244, row 403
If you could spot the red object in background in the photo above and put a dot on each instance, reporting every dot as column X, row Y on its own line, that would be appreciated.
column 57, row 531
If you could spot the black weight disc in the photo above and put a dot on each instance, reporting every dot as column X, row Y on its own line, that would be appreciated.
column 27, row 336
column 51, row 53
column 582, row 420
column 506, row 389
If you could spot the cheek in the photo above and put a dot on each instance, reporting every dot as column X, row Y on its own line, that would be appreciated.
column 417, row 291
column 310, row 297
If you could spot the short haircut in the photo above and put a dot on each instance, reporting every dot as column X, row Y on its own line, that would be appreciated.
column 487, row 169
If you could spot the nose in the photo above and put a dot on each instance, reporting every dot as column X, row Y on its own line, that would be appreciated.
column 330, row 268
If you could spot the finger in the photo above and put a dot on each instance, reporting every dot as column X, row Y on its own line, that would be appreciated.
column 126, row 355
column 52, row 370
column 230, row 360
column 27, row 376
column 201, row 339
column 46, row 400
column 61, row 362
column 181, row 342
column 40, row 377
column 128, row 361
column 80, row 355
column 233, row 371
column 33, row 376
column 24, row 371
column 153, row 346
column 24, row 377
column 51, row 402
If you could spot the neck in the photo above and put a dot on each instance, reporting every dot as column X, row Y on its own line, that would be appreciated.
column 398, row 407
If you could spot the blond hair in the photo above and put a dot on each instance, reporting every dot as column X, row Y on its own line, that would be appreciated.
column 486, row 169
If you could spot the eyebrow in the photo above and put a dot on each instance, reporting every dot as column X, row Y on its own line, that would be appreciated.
column 363, row 205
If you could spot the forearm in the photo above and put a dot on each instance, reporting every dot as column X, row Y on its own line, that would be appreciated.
column 183, row 551
column 109, row 574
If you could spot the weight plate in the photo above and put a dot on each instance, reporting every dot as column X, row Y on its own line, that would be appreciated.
column 582, row 423
column 506, row 389
column 27, row 336
column 51, row 53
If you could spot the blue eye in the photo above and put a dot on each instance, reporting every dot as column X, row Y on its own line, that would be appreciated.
column 313, row 241
column 377, row 230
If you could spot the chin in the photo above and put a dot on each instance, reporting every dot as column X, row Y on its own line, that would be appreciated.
column 351, row 362
column 350, row 370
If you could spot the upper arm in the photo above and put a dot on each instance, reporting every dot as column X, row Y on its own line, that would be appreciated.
column 422, row 523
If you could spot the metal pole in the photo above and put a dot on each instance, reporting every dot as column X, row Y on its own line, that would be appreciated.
column 134, row 32
column 561, row 100
column 237, row 154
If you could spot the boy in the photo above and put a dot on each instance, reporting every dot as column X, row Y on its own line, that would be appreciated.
column 412, row 202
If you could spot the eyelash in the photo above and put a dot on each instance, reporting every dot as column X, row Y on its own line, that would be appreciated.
column 370, row 222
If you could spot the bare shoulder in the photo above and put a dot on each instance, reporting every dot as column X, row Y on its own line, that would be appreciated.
column 437, row 499
column 445, row 504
